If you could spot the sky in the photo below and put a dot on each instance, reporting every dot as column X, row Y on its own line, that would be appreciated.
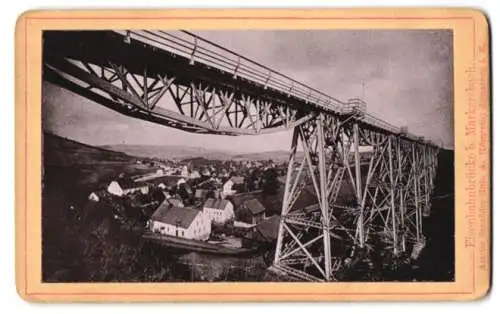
column 404, row 76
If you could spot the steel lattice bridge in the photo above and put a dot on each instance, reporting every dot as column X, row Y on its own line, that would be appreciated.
column 215, row 91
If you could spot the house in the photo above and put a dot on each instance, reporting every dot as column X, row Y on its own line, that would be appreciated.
column 200, row 193
column 96, row 196
column 205, row 173
column 223, row 173
column 180, row 181
column 219, row 211
column 251, row 211
column 187, row 223
column 185, row 191
column 162, row 181
column 233, row 185
column 185, row 172
column 194, row 175
column 264, row 233
column 93, row 197
column 122, row 187
column 166, row 168
column 174, row 201
column 240, row 198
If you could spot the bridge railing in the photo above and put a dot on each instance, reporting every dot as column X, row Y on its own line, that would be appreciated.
column 197, row 49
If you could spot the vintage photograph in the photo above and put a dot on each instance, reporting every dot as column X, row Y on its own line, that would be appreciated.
column 248, row 156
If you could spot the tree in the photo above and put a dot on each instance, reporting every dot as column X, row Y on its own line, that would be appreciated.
column 270, row 184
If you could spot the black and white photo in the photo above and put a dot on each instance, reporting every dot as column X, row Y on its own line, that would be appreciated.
column 248, row 156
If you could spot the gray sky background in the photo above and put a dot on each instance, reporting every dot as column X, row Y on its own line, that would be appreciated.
column 407, row 76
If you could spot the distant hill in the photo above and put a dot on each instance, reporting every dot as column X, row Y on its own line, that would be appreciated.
column 278, row 155
column 169, row 151
column 187, row 152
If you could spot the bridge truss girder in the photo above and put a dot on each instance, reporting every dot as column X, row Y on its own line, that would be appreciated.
column 192, row 104
column 390, row 193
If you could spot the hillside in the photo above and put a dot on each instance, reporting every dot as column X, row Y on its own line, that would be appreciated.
column 79, row 168
column 81, row 240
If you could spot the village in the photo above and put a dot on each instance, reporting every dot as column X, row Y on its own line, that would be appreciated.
column 187, row 203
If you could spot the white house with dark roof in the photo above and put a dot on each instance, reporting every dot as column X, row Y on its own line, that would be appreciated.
column 187, row 223
column 219, row 210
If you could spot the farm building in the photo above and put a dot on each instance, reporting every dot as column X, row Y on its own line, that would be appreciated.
column 187, row 223
column 124, row 187
column 218, row 210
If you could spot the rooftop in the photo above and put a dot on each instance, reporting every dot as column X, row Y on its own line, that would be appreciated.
column 239, row 198
column 268, row 228
column 237, row 179
column 172, row 215
column 254, row 206
column 168, row 180
column 213, row 203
